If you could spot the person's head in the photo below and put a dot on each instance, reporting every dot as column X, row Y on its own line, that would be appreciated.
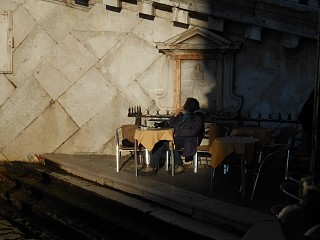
column 191, row 105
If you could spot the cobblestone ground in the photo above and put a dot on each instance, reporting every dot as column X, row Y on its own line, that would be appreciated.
column 8, row 231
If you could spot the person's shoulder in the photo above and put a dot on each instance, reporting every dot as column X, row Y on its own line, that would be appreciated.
column 200, row 113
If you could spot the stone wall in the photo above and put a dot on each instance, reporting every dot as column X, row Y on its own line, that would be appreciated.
column 76, row 71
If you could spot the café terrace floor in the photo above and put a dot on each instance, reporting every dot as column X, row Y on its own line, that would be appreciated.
column 185, row 190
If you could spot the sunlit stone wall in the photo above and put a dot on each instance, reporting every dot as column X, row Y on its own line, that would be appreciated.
column 76, row 71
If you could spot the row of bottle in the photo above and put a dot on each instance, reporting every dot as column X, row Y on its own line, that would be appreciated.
column 134, row 111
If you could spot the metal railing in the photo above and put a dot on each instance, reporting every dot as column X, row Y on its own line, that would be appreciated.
column 218, row 116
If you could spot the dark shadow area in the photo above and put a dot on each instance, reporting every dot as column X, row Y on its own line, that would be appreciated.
column 113, row 9
column 181, row 25
column 82, row 2
column 147, row 17
column 297, row 218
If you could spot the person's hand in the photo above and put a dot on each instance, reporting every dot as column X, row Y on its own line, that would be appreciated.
column 177, row 111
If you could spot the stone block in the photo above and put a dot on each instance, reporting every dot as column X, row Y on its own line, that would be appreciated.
column 313, row 3
column 2, row 157
column 23, row 24
column 100, row 130
column 57, row 20
column 165, row 30
column 28, row 102
column 6, row 89
column 51, row 79
column 146, row 7
column 212, row 23
column 180, row 16
column 28, row 55
column 158, row 82
column 71, row 58
column 253, row 32
column 98, row 42
column 87, row 97
column 215, row 23
column 8, row 5
column 138, row 95
column 44, row 135
column 113, row 3
column 100, row 19
column 124, row 63
column 290, row 41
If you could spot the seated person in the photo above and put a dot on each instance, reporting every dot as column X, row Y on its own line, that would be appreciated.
column 188, row 124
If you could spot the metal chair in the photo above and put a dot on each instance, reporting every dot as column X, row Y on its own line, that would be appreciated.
column 232, row 161
column 295, row 160
column 125, row 134
column 213, row 131
column 273, row 158
column 291, row 189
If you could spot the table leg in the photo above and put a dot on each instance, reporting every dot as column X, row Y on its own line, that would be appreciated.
column 243, row 177
column 172, row 158
column 136, row 156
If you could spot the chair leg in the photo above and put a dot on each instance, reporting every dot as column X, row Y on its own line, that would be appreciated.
column 142, row 158
column 213, row 172
column 147, row 157
column 117, row 160
column 206, row 160
column 225, row 169
column 167, row 160
column 255, row 185
column 195, row 162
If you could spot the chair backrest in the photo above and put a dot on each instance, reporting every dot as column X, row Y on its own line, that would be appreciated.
column 216, row 131
column 286, row 134
column 275, row 156
column 127, row 131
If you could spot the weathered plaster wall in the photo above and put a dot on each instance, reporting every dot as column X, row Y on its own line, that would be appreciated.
column 76, row 71
column 273, row 78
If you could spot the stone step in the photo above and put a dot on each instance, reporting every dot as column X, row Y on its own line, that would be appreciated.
column 58, row 196
column 99, row 169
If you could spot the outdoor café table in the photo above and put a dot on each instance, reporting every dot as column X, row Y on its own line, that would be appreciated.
column 148, row 138
column 263, row 134
column 224, row 146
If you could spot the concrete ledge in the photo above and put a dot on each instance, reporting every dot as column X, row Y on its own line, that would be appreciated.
column 254, row 224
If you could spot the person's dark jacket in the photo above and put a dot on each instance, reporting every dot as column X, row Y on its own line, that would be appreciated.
column 191, row 128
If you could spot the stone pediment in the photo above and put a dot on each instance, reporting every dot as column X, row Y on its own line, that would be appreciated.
column 197, row 39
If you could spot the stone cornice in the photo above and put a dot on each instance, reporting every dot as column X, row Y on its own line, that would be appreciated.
column 284, row 16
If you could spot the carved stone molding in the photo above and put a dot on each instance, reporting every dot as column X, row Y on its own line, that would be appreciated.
column 203, row 69
column 147, row 8
column 196, row 39
column 180, row 16
column 296, row 18
column 290, row 41
column 113, row 3
column 6, row 42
